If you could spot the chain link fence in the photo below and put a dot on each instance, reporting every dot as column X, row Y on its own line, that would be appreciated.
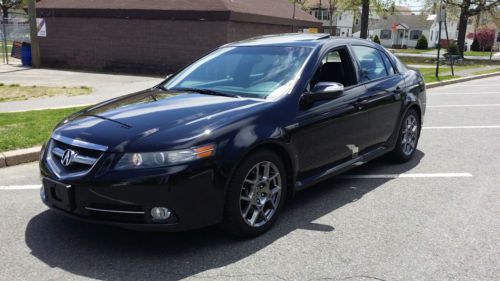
column 12, row 30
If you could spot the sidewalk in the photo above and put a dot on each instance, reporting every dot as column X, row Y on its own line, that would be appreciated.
column 104, row 86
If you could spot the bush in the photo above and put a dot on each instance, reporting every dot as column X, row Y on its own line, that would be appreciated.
column 453, row 49
column 475, row 45
column 422, row 43
column 376, row 39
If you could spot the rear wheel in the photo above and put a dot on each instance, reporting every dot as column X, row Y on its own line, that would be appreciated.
column 408, row 136
column 256, row 194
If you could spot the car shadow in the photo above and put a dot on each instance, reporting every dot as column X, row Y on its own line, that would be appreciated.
column 109, row 253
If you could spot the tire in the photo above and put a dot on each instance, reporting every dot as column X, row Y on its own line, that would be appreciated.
column 408, row 136
column 254, row 201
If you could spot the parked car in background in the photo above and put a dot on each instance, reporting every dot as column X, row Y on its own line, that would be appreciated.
column 229, row 138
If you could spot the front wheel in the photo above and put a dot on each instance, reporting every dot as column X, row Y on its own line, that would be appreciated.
column 256, row 194
column 408, row 136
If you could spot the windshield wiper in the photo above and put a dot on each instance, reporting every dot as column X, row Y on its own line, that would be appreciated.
column 205, row 92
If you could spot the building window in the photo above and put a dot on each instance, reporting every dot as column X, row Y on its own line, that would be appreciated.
column 357, row 21
column 415, row 34
column 322, row 14
column 385, row 34
column 432, row 35
column 337, row 32
column 340, row 17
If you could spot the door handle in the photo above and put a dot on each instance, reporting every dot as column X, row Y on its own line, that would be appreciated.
column 398, row 91
column 361, row 103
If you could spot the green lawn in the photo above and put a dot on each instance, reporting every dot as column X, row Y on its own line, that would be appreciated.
column 478, row 54
column 31, row 128
column 15, row 92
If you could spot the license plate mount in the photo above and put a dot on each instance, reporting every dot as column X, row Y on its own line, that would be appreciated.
column 59, row 194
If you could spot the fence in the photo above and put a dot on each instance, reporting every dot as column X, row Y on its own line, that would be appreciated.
column 12, row 29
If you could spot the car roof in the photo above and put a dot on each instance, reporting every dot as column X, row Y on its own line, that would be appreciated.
column 297, row 40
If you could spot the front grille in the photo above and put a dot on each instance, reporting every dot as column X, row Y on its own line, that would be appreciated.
column 82, row 156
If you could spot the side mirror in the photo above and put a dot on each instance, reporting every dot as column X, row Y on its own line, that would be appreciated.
column 323, row 91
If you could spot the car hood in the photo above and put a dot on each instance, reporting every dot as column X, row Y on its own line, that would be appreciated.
column 155, row 120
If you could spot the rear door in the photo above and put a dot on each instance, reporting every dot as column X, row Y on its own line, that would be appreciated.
column 382, row 100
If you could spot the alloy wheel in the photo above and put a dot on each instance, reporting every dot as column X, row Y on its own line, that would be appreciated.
column 409, row 135
column 260, row 194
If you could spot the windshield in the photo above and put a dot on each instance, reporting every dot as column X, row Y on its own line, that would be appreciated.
column 255, row 72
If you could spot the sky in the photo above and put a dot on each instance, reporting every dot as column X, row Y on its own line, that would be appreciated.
column 413, row 4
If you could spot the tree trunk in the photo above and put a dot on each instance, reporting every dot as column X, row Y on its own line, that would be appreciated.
column 5, row 12
column 365, row 11
column 462, row 30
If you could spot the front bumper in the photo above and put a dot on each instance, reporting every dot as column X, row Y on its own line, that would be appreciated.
column 195, row 198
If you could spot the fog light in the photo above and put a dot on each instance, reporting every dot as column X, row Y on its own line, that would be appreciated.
column 160, row 213
column 42, row 193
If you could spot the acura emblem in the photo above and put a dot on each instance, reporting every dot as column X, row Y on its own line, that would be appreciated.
column 68, row 157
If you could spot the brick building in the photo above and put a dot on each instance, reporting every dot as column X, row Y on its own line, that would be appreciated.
column 154, row 36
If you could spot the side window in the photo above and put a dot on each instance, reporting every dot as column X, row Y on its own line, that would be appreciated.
column 372, row 66
column 336, row 66
column 388, row 64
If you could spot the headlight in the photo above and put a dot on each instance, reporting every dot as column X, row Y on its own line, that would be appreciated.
column 163, row 158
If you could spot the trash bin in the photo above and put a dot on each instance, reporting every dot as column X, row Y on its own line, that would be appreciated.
column 26, row 54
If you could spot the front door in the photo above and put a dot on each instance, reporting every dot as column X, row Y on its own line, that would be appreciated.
column 331, row 131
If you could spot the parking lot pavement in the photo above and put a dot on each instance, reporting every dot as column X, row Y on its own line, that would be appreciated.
column 434, row 218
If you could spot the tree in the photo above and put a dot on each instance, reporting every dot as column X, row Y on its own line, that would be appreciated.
column 376, row 39
column 469, row 8
column 422, row 43
column 6, row 5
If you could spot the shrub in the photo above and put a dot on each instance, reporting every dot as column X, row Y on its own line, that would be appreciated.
column 475, row 45
column 422, row 43
column 376, row 39
column 453, row 49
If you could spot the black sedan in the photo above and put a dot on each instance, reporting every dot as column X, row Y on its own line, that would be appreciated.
column 229, row 138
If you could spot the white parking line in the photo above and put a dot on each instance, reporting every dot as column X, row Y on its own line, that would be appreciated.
column 463, row 105
column 460, row 127
column 20, row 187
column 409, row 175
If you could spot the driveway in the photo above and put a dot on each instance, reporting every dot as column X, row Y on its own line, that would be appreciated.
column 434, row 218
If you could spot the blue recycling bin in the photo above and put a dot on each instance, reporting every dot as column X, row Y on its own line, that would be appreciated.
column 26, row 54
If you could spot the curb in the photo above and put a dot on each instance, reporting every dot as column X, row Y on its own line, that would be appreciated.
column 21, row 156
column 460, row 80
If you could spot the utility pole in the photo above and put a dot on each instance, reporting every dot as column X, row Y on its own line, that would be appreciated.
column 439, row 41
column 35, row 47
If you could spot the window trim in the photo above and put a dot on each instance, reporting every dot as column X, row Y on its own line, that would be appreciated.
column 415, row 30
column 390, row 34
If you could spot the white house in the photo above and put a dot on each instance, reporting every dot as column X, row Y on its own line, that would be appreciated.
column 401, row 30
column 339, row 25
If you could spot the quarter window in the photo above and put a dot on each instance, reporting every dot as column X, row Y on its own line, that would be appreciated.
column 388, row 64
column 415, row 34
column 372, row 66
column 385, row 34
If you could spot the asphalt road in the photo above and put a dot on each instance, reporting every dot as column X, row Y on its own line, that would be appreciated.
column 434, row 218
